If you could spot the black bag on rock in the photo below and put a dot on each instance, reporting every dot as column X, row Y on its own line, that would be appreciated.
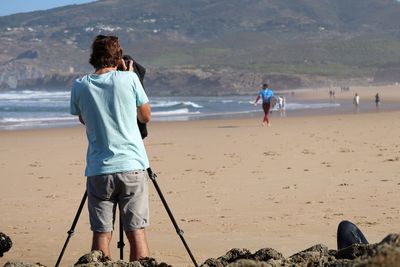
column 349, row 234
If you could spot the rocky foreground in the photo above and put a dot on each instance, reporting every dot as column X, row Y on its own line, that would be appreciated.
column 385, row 253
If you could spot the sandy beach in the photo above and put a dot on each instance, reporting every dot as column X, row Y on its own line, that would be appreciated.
column 230, row 184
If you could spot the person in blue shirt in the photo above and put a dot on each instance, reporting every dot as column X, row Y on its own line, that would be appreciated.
column 107, row 103
column 266, row 95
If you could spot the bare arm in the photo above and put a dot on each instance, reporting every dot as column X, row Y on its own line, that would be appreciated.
column 258, row 98
column 144, row 113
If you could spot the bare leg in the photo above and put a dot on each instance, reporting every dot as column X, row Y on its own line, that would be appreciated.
column 101, row 241
column 266, row 118
column 266, row 108
column 138, row 243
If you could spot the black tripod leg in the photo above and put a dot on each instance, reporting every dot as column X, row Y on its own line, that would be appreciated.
column 153, row 177
column 121, row 243
column 72, row 230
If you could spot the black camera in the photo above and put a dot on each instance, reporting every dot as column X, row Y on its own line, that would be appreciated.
column 140, row 72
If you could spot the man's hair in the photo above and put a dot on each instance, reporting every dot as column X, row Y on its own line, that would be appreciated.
column 106, row 52
column 265, row 85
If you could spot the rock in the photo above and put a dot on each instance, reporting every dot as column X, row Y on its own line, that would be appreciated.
column 387, row 256
column 266, row 254
column 91, row 257
column 235, row 254
column 96, row 259
column 391, row 239
column 250, row 263
column 183, row 81
column 29, row 54
column 5, row 243
column 22, row 264
column 355, row 251
column 385, row 253
column 232, row 255
column 211, row 262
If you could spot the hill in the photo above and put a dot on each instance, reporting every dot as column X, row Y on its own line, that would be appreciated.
column 208, row 46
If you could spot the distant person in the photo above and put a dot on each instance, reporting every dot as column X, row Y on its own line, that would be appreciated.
column 356, row 100
column 377, row 100
column 331, row 95
column 280, row 102
column 107, row 101
column 266, row 95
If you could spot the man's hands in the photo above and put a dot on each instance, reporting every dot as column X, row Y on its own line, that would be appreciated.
column 125, row 67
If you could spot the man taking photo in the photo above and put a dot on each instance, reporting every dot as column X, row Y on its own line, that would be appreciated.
column 107, row 103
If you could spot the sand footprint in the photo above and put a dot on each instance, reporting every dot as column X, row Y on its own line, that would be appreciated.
column 35, row 164
column 392, row 159
column 271, row 153
column 327, row 164
column 307, row 152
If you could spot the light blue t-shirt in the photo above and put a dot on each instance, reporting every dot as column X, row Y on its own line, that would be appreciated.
column 266, row 95
column 107, row 103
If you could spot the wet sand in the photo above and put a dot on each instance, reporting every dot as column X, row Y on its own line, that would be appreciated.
column 229, row 183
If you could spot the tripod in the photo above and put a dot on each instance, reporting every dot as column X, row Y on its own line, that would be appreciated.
column 71, row 232
column 153, row 177
column 121, row 244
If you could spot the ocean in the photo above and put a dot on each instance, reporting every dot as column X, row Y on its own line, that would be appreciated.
column 28, row 109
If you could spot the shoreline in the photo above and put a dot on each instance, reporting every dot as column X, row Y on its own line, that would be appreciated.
column 275, row 115
column 299, row 102
column 343, row 109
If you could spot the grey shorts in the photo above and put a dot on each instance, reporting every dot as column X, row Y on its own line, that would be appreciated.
column 127, row 189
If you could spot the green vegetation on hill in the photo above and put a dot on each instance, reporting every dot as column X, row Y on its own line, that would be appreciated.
column 338, row 39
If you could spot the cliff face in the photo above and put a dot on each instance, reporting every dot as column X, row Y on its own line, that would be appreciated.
column 15, row 76
column 214, row 82
column 158, row 82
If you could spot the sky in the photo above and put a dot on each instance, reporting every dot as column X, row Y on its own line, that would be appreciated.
column 9, row 7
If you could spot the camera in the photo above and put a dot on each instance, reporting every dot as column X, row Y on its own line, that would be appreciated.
column 140, row 72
